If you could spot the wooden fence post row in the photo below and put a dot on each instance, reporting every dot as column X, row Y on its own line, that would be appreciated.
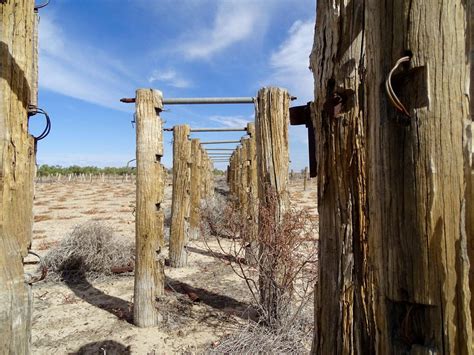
column 149, row 260
column 193, row 181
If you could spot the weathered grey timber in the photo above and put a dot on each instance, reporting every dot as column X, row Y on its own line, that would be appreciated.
column 181, row 199
column 149, row 258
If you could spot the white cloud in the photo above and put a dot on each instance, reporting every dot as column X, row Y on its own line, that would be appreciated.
column 235, row 21
column 290, row 62
column 170, row 77
column 231, row 121
column 73, row 68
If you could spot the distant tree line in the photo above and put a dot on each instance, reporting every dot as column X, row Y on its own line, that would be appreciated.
column 45, row 170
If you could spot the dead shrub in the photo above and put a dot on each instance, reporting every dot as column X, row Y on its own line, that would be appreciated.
column 91, row 250
column 218, row 218
column 282, row 270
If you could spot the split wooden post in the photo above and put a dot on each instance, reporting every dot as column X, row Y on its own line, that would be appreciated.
column 18, row 70
column 251, row 248
column 181, row 199
column 149, row 259
column 272, row 120
column 196, row 168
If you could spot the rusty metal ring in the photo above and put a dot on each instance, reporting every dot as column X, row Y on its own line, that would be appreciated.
column 46, row 3
column 31, row 279
column 395, row 101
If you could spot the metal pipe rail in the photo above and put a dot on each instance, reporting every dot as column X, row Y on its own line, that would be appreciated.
column 202, row 100
column 218, row 129
column 220, row 149
column 219, row 142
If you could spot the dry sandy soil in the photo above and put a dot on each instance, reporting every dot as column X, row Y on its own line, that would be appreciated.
column 94, row 317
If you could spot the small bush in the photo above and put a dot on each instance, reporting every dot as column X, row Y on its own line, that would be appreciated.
column 91, row 250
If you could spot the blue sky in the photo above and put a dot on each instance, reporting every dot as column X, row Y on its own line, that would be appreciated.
column 94, row 52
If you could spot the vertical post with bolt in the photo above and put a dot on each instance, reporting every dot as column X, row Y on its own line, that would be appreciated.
column 149, row 260
column 271, row 124
column 180, row 206
column 195, row 214
column 251, row 248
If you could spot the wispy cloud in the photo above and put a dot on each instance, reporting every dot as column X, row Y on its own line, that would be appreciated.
column 169, row 77
column 290, row 62
column 231, row 121
column 235, row 21
column 73, row 68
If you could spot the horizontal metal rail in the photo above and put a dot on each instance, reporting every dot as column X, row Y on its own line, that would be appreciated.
column 208, row 100
column 220, row 129
column 220, row 149
column 220, row 142
column 202, row 100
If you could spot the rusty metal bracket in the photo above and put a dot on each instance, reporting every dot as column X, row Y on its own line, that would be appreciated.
column 300, row 115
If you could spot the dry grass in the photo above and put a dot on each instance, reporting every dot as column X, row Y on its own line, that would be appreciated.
column 66, row 217
column 44, row 245
column 253, row 338
column 90, row 251
column 42, row 217
column 91, row 211
column 58, row 208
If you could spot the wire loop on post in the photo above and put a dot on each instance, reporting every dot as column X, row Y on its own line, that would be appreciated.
column 395, row 101
column 46, row 3
column 31, row 279
column 33, row 110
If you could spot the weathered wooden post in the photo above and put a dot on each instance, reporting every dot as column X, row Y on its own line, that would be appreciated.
column 243, row 185
column 180, row 210
column 211, row 178
column 18, row 75
column 251, row 249
column 238, row 175
column 149, row 259
column 305, row 178
column 202, row 180
column 196, row 168
column 231, row 173
column 396, row 282
column 272, row 120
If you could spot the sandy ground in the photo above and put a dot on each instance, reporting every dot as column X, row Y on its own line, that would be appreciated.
column 95, row 318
